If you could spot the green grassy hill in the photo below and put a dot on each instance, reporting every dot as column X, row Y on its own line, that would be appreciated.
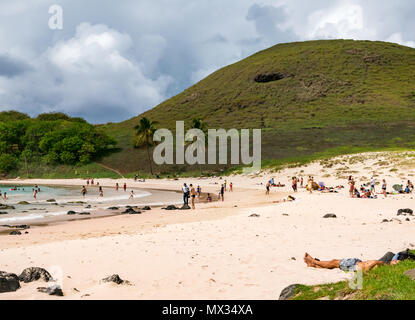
column 310, row 98
column 338, row 95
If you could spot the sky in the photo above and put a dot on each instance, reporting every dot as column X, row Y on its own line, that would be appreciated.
column 113, row 60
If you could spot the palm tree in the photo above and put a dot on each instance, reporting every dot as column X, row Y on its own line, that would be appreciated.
column 200, row 125
column 144, row 133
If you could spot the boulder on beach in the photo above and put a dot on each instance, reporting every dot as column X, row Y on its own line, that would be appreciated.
column 35, row 274
column 170, row 208
column 330, row 216
column 146, row 208
column 3, row 213
column 9, row 282
column 54, row 290
column 254, row 215
column 131, row 211
column 15, row 233
column 405, row 211
column 23, row 203
column 71, row 213
column 288, row 292
column 115, row 278
column 51, row 200
column 185, row 207
column 85, row 213
column 113, row 208
column 6, row 207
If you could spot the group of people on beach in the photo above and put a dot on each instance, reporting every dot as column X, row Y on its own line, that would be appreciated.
column 370, row 193
column 190, row 192
column 84, row 190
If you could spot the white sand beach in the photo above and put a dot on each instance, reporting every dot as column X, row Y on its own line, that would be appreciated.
column 218, row 251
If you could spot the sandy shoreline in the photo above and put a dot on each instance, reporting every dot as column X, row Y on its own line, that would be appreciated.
column 218, row 251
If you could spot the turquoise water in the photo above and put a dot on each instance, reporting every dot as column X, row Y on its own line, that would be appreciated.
column 25, row 193
column 57, row 201
column 69, row 198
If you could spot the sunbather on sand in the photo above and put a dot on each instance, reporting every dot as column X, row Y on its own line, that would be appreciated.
column 354, row 264
column 344, row 264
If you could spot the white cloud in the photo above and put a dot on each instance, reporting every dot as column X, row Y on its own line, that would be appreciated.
column 397, row 38
column 86, row 74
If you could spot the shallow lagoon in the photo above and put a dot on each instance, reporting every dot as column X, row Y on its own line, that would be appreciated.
column 55, row 201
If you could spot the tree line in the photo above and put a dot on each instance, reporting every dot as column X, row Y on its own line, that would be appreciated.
column 52, row 138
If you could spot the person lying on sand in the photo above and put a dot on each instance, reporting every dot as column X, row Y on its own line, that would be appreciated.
column 289, row 199
column 355, row 264
column 342, row 264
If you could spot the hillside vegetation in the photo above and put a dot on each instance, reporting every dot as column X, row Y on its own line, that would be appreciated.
column 312, row 99
column 49, row 141
column 325, row 97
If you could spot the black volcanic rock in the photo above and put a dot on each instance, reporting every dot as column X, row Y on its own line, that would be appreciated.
column 9, row 282
column 288, row 292
column 34, row 274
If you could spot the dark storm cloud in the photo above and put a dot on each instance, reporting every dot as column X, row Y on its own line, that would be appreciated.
column 10, row 67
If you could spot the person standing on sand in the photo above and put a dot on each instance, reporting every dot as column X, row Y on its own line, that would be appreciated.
column 352, row 187
column 231, row 187
column 193, row 196
column 117, row 186
column 186, row 193
column 34, row 194
column 384, row 187
column 225, row 185
column 5, row 196
column 87, row 182
column 302, row 182
column 125, row 187
column 222, row 192
column 198, row 191
column 132, row 195
column 294, row 184
column 83, row 192
column 268, row 186
column 373, row 185
column 92, row 182
column 310, row 184
column 101, row 192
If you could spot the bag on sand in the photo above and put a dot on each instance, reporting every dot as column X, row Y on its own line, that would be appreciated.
column 406, row 255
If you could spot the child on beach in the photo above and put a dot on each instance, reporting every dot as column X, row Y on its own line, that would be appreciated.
column 101, row 192
column 125, row 187
column 132, row 194
column 268, row 186
column 5, row 196
column 117, row 186
column 198, row 191
column 83, row 191
column 231, row 187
